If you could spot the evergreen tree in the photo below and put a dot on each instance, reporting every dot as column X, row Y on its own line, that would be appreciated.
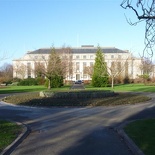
column 100, row 75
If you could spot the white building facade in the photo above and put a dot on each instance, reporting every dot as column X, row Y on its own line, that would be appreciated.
column 81, row 57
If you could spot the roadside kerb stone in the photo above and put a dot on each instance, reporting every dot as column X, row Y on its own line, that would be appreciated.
column 132, row 146
column 25, row 132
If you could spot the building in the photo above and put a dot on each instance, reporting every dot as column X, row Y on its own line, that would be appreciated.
column 118, row 62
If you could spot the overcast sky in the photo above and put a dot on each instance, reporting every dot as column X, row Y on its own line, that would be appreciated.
column 27, row 25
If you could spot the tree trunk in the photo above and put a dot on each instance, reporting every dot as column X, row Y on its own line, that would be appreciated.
column 112, row 82
column 49, row 84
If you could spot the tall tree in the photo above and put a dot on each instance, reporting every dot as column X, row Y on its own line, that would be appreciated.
column 54, row 68
column 66, row 56
column 145, row 11
column 57, row 67
column 100, row 75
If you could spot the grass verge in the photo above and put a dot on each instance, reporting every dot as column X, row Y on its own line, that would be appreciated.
column 8, row 133
column 142, row 133
column 33, row 99
column 119, row 88
column 125, row 88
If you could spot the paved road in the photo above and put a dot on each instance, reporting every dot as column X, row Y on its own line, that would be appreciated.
column 78, row 86
column 75, row 131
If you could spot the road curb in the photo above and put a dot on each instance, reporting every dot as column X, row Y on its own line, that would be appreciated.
column 25, row 132
column 132, row 146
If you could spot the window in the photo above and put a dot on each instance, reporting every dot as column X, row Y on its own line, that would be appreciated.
column 43, row 57
column 112, row 56
column 91, row 56
column 77, row 66
column 84, row 57
column 71, row 57
column 77, row 56
column 126, row 69
column 91, row 64
column 38, row 69
column 119, row 66
column 35, row 57
column 28, row 69
column 119, row 56
column 84, row 76
column 84, row 67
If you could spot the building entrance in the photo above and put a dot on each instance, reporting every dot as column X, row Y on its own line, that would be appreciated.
column 77, row 76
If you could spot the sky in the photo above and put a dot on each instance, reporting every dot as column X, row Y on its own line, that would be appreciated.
column 27, row 25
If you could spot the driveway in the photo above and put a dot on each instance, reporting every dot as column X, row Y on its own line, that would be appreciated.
column 75, row 131
column 78, row 86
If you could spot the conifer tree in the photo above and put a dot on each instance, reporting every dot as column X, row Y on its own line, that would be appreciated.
column 100, row 75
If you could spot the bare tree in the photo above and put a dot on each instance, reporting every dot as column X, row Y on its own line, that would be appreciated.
column 66, row 56
column 118, row 67
column 6, row 73
column 145, row 11
column 58, row 63
column 20, row 70
column 89, row 70
column 146, row 68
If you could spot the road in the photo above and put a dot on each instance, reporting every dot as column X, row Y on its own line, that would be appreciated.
column 75, row 131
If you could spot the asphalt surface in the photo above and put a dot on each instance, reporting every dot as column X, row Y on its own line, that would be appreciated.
column 75, row 131
column 78, row 86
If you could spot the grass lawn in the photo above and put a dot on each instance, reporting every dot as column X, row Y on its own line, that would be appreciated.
column 126, row 88
column 8, row 133
column 121, row 87
column 22, row 89
column 142, row 132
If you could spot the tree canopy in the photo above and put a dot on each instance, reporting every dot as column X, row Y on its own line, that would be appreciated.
column 100, row 76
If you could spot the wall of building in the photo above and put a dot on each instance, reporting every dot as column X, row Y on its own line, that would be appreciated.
column 21, row 67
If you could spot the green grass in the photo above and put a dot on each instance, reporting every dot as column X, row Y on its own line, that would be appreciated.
column 142, row 132
column 8, row 133
column 22, row 89
column 121, row 87
column 126, row 88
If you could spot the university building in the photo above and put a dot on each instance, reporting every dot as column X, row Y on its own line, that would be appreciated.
column 118, row 62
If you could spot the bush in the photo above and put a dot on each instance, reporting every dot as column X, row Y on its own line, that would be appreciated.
column 28, row 82
column 57, row 81
column 98, row 81
column 40, row 80
column 126, row 80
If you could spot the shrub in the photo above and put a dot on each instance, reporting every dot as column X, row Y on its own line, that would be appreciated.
column 98, row 81
column 40, row 80
column 57, row 81
column 126, row 80
column 28, row 82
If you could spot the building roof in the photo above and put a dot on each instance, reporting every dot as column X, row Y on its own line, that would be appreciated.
column 81, row 50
